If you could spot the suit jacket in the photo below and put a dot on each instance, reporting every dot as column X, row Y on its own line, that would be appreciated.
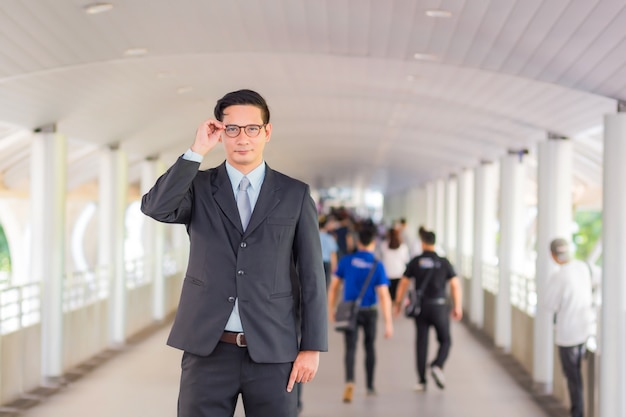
column 274, row 267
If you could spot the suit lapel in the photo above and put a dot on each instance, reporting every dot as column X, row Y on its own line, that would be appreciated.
column 268, row 199
column 225, row 199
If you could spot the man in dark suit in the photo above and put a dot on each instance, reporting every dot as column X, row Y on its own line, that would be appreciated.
column 255, row 270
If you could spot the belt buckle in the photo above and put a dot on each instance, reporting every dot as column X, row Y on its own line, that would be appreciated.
column 238, row 340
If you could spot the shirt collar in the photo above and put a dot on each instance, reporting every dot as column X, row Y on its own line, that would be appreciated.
column 256, row 176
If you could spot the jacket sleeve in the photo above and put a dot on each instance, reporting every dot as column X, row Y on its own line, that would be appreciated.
column 310, row 267
column 170, row 199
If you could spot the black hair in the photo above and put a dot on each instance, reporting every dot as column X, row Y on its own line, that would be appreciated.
column 242, row 97
column 428, row 237
column 322, row 221
column 367, row 232
column 394, row 238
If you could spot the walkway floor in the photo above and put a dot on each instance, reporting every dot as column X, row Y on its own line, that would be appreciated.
column 143, row 381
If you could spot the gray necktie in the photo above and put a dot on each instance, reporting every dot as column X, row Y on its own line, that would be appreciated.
column 243, row 202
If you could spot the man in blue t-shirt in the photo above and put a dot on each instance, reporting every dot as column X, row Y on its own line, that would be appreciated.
column 353, row 270
column 436, row 273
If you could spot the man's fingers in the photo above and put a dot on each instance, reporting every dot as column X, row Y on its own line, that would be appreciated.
column 292, row 381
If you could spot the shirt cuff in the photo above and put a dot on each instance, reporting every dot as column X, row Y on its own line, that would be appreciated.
column 190, row 155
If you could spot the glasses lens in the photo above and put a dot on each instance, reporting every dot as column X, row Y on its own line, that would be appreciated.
column 232, row 130
column 253, row 130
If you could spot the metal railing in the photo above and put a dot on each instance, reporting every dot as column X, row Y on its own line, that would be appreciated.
column 491, row 277
column 84, row 288
column 524, row 293
column 20, row 305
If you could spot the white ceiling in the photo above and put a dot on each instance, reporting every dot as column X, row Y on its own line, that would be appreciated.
column 351, row 106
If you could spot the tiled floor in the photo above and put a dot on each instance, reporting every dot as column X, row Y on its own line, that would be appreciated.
column 143, row 381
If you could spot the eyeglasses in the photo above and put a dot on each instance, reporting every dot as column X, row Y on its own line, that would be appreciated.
column 232, row 131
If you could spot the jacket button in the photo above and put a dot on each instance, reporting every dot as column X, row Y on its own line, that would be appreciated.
column 231, row 299
column 243, row 244
column 240, row 272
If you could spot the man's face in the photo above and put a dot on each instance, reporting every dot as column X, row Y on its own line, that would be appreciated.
column 244, row 152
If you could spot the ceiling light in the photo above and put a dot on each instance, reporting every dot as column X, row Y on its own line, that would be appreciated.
column 439, row 13
column 96, row 8
column 426, row 57
column 184, row 90
column 135, row 51
column 165, row 74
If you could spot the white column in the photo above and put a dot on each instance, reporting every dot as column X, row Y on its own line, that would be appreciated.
column 484, row 238
column 450, row 219
column 113, row 201
column 431, row 205
column 511, row 244
column 47, row 196
column 554, row 219
column 440, row 209
column 154, row 242
column 613, row 321
column 465, row 230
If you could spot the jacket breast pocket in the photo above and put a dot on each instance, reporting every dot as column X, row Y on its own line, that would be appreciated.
column 282, row 221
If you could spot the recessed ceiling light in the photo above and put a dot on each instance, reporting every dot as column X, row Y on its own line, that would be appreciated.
column 96, row 8
column 439, row 13
column 184, row 90
column 426, row 57
column 135, row 51
column 165, row 74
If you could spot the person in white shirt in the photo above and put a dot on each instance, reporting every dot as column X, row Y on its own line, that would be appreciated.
column 568, row 294
column 394, row 254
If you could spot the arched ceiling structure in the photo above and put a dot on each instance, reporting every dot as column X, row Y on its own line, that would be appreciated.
column 374, row 94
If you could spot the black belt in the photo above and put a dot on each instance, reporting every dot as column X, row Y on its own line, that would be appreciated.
column 439, row 300
column 234, row 338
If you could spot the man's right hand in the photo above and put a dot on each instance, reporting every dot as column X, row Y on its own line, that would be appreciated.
column 209, row 133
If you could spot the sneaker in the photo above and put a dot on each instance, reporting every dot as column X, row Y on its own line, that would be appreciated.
column 348, row 391
column 437, row 374
column 419, row 387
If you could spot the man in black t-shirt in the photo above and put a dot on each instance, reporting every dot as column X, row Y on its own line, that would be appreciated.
column 436, row 273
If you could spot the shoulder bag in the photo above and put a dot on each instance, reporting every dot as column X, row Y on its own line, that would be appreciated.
column 414, row 307
column 345, row 315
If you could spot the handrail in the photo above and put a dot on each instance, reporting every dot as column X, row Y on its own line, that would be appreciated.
column 20, row 305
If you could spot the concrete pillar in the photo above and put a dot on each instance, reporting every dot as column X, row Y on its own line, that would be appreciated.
column 440, row 210
column 554, row 219
column 511, row 243
column 450, row 218
column 112, row 212
column 431, row 205
column 464, row 224
column 48, row 197
column 484, row 237
column 154, row 242
column 613, row 316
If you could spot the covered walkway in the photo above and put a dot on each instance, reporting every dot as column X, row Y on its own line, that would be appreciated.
column 142, row 380
column 494, row 123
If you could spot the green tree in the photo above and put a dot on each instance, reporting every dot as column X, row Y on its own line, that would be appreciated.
column 5, row 255
column 589, row 232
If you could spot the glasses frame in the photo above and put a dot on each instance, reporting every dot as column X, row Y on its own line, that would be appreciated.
column 245, row 129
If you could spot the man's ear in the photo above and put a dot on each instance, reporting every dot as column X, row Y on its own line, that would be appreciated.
column 268, row 132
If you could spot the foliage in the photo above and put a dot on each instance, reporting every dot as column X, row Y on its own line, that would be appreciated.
column 588, row 233
column 5, row 255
